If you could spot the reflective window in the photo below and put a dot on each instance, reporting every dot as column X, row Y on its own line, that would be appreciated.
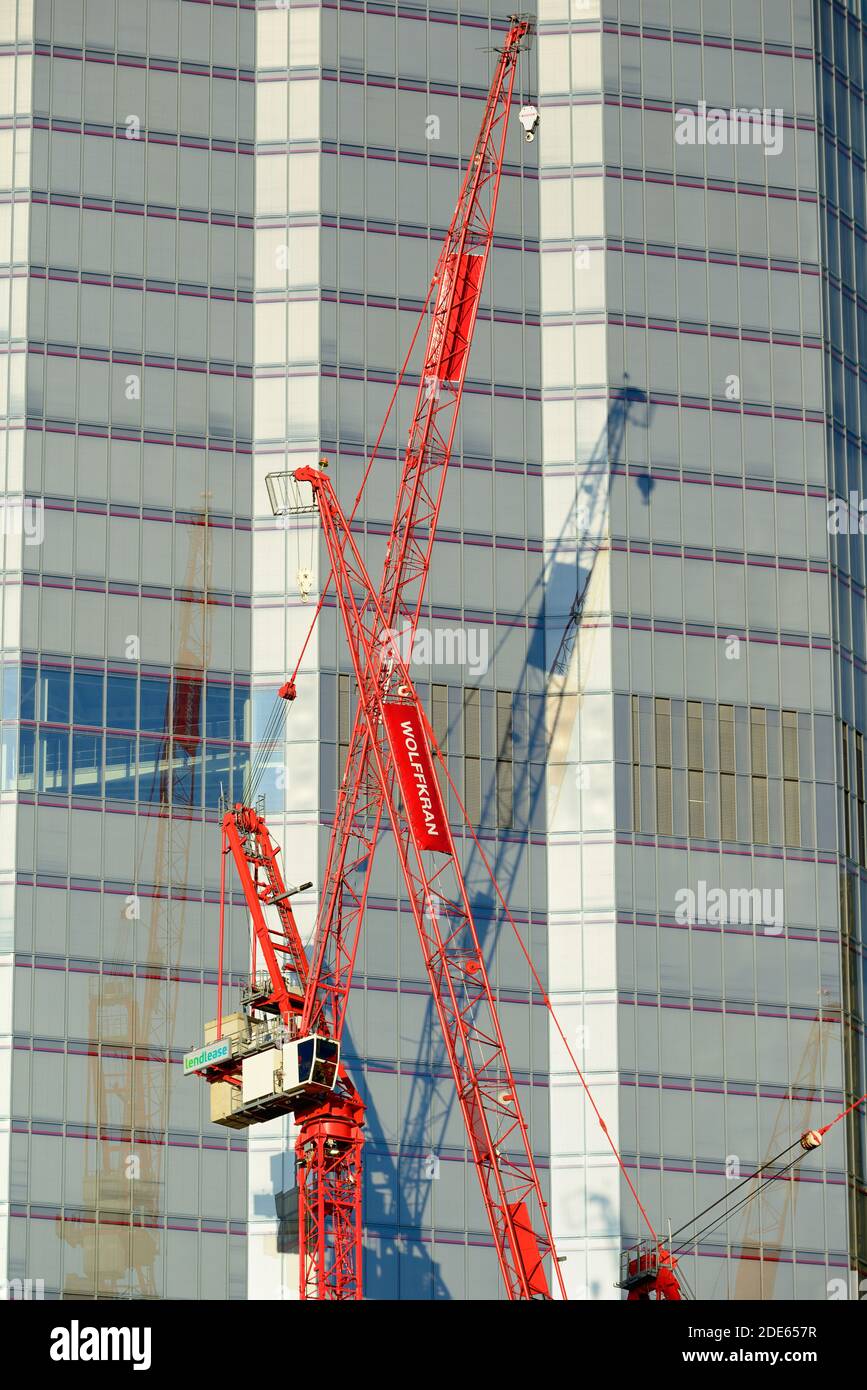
column 54, row 695
column 87, row 689
column 154, row 696
column 120, row 702
column 87, row 764
column 120, row 768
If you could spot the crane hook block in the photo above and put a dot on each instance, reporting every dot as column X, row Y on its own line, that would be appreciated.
column 288, row 691
column 811, row 1139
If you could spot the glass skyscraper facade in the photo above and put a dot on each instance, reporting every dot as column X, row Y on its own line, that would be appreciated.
column 707, row 751
column 645, row 647
column 128, row 243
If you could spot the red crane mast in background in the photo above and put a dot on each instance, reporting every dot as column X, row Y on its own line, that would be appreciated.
column 290, row 1004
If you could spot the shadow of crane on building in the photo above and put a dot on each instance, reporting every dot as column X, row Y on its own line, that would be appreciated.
column 422, row 1148
column 398, row 1238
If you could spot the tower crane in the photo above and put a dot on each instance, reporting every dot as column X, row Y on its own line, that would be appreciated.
column 282, row 1052
column 289, row 1060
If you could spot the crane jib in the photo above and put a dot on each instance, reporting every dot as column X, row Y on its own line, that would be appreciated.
column 415, row 774
column 468, row 270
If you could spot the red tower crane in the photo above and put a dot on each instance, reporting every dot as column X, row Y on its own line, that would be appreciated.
column 253, row 1075
column 273, row 1065
column 400, row 740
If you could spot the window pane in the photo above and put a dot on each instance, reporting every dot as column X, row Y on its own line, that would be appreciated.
column 120, row 712
column 217, row 775
column 53, row 760
column 241, row 761
column 152, row 768
column 186, row 772
column 242, row 713
column 154, row 697
column 54, row 695
column 87, row 698
column 87, row 764
column 120, row 768
column 26, row 755
column 218, row 710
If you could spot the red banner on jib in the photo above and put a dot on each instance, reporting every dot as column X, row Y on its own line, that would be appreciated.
column 416, row 776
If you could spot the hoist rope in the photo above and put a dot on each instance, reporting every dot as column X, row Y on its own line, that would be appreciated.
column 544, row 993
column 739, row 1206
column 588, row 1092
column 272, row 733
column 773, row 1177
column 743, row 1183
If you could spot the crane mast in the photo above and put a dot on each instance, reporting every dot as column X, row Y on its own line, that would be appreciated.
column 282, row 1054
column 400, row 740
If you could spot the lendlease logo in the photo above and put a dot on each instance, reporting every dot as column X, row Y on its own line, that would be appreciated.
column 713, row 126
column 757, row 907
column 77, row 1343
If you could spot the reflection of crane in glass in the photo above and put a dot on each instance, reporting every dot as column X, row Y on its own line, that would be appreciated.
column 128, row 1094
column 430, row 1095
column 769, row 1219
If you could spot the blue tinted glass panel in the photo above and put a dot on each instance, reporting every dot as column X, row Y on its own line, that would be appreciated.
column 241, row 764
column 53, row 760
column 152, row 770
column 26, row 760
column 87, row 764
column 120, row 711
column 54, row 695
column 218, row 775
column 120, row 768
column 154, row 696
column 187, row 705
column 186, row 773
column 242, row 712
column 218, row 711
column 87, row 698
column 28, row 692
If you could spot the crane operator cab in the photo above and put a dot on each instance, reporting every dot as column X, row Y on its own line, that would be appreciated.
column 310, row 1063
column 256, row 1079
column 647, row 1272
